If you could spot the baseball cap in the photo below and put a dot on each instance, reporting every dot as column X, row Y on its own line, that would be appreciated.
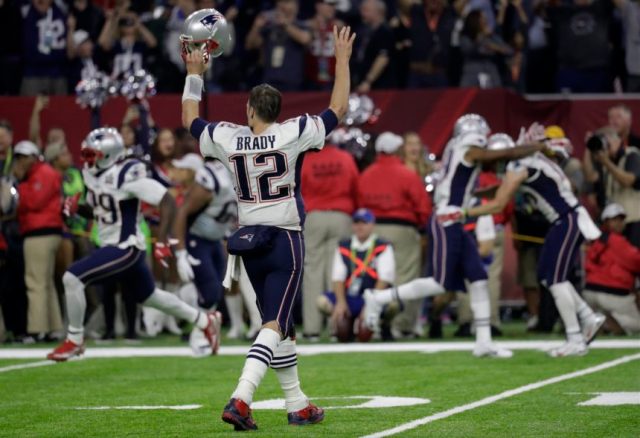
column 189, row 161
column 54, row 150
column 364, row 215
column 388, row 142
column 80, row 36
column 25, row 147
column 613, row 210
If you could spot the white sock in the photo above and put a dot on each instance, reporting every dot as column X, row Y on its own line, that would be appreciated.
column 76, row 306
column 481, row 308
column 256, row 365
column 174, row 306
column 413, row 290
column 285, row 364
column 582, row 308
column 234, row 306
column 249, row 297
column 567, row 309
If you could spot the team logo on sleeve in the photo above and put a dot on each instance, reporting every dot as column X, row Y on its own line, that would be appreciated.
column 247, row 237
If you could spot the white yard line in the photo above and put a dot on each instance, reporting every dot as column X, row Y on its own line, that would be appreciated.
column 312, row 349
column 503, row 395
column 22, row 366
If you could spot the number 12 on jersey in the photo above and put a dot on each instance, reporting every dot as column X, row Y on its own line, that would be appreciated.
column 269, row 167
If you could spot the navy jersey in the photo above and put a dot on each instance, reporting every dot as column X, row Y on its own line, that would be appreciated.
column 45, row 42
column 127, row 58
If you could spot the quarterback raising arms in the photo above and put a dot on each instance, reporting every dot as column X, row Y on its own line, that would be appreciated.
column 265, row 159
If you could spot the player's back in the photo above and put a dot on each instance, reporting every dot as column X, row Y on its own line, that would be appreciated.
column 220, row 216
column 457, row 177
column 116, row 211
column 546, row 187
column 266, row 167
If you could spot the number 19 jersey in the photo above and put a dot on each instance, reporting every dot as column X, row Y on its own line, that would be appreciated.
column 266, row 167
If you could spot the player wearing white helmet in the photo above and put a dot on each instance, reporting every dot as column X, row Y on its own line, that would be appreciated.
column 452, row 255
column 116, row 186
column 548, row 189
column 265, row 159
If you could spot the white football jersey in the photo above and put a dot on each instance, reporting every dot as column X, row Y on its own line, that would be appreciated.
column 266, row 168
column 455, row 184
column 221, row 215
column 546, row 188
column 115, row 195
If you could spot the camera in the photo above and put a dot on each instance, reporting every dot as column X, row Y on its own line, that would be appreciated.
column 597, row 143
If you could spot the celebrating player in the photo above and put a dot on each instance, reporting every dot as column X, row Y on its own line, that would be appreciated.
column 208, row 213
column 116, row 186
column 452, row 256
column 549, row 189
column 265, row 158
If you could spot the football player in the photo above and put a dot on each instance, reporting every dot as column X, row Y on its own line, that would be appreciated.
column 546, row 185
column 208, row 213
column 116, row 185
column 265, row 159
column 452, row 255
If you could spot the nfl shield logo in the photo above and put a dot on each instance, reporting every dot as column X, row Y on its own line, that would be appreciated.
column 209, row 21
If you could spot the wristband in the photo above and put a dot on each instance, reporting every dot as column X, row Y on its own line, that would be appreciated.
column 193, row 86
column 181, row 253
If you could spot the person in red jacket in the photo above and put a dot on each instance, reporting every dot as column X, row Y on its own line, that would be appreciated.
column 612, row 266
column 330, row 191
column 396, row 196
column 40, row 221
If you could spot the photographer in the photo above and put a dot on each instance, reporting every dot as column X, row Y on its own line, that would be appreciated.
column 615, row 172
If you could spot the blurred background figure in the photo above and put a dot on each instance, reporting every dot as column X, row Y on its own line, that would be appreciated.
column 319, row 61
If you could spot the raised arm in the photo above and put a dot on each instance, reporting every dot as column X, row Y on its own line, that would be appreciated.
column 192, row 94
column 483, row 155
column 342, row 85
column 195, row 200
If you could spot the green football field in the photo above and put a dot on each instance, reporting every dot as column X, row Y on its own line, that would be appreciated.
column 455, row 394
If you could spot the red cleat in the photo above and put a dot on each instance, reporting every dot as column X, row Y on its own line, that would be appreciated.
column 309, row 415
column 238, row 413
column 212, row 330
column 65, row 351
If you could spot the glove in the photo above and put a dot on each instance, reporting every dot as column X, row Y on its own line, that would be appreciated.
column 162, row 251
column 70, row 206
column 184, row 264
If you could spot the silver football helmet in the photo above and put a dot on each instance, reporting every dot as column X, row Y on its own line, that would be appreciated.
column 102, row 148
column 471, row 123
column 499, row 141
column 206, row 30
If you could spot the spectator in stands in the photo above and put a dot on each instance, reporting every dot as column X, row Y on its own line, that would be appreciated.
column 330, row 191
column 483, row 53
column 580, row 35
column 363, row 261
column 173, row 73
column 611, row 268
column 373, row 65
column 40, row 219
column 616, row 169
column 512, row 21
column 401, row 26
column 44, row 38
column 413, row 154
column 80, row 53
column 630, row 15
column 320, row 62
column 87, row 17
column 54, row 134
column 10, row 52
column 126, row 39
column 282, row 40
column 397, row 198
column 540, row 65
column 431, row 28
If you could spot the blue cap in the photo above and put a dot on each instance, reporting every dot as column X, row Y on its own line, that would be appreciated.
column 364, row 215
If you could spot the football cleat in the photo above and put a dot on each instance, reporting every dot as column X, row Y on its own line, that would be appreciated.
column 238, row 413
column 199, row 344
column 491, row 350
column 66, row 351
column 372, row 310
column 212, row 330
column 309, row 415
column 569, row 349
column 591, row 327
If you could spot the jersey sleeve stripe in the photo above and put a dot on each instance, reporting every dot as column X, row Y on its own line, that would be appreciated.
column 302, row 123
column 210, row 128
column 216, row 183
column 329, row 119
column 124, row 170
column 197, row 126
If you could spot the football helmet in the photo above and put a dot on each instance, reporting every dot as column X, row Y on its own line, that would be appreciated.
column 500, row 141
column 206, row 30
column 471, row 123
column 102, row 148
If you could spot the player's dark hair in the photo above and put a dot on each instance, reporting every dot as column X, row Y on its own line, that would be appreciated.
column 266, row 101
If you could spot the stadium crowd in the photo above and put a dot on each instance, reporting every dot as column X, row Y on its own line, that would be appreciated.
column 532, row 46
